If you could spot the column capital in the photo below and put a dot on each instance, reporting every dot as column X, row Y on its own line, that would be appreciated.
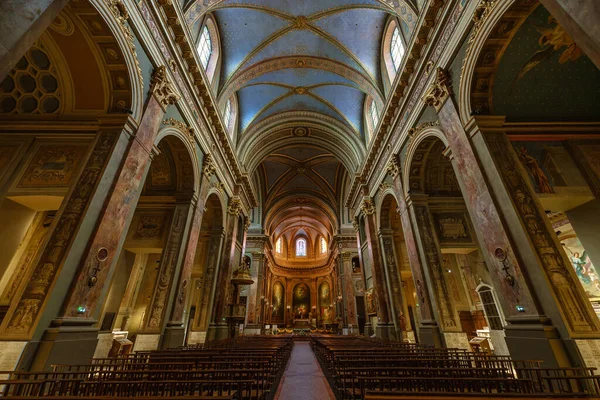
column 393, row 167
column 246, row 224
column 355, row 224
column 235, row 206
column 367, row 206
column 162, row 88
column 208, row 166
column 439, row 91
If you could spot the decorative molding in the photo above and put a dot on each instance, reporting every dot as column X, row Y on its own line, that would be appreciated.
column 439, row 91
column 120, row 12
column 162, row 89
column 208, row 167
column 393, row 167
column 355, row 224
column 235, row 206
column 182, row 126
column 367, row 206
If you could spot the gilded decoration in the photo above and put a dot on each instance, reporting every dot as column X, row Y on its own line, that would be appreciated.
column 208, row 167
column 367, row 206
column 393, row 167
column 120, row 12
column 370, row 300
column 235, row 206
column 52, row 166
column 562, row 279
column 452, row 228
column 439, row 91
column 162, row 89
column 182, row 126
column 355, row 224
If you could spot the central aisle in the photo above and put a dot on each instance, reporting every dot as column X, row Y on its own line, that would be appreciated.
column 303, row 377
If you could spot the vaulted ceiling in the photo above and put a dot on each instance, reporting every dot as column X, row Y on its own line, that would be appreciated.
column 307, row 65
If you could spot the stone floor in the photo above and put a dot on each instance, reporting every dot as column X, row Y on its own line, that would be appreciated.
column 303, row 377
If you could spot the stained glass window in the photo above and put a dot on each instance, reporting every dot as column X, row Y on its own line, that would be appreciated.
column 301, row 247
column 323, row 245
column 205, row 47
column 397, row 49
column 278, row 246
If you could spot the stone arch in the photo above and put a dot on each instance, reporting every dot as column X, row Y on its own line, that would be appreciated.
column 222, row 200
column 184, row 138
column 428, row 135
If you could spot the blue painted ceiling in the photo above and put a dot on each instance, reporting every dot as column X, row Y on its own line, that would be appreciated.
column 344, row 36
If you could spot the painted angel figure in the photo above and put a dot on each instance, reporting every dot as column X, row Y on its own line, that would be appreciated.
column 580, row 266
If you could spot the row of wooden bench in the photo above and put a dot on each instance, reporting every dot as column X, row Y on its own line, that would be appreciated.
column 243, row 368
column 361, row 368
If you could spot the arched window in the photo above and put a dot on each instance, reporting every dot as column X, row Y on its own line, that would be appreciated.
column 278, row 246
column 373, row 114
column 300, row 247
column 205, row 47
column 227, row 114
column 323, row 245
column 490, row 307
column 396, row 49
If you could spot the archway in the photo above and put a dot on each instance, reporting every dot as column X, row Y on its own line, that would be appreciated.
column 451, row 254
column 144, row 283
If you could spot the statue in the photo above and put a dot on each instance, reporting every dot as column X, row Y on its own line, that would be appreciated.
column 535, row 171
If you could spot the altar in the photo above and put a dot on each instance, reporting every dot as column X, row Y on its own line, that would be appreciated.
column 300, row 323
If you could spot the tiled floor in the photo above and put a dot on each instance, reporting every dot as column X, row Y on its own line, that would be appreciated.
column 303, row 378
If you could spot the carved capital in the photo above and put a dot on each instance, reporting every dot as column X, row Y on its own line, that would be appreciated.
column 393, row 167
column 182, row 126
column 235, row 206
column 355, row 224
column 162, row 89
column 439, row 91
column 208, row 167
column 246, row 224
column 367, row 206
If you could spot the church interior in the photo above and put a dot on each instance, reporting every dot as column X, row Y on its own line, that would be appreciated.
column 299, row 199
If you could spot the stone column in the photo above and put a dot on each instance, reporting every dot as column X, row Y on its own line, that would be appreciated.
column 521, row 302
column 384, row 329
column 429, row 332
column 22, row 22
column 432, row 259
column 255, row 291
column 108, row 206
column 348, row 291
column 150, row 336
column 218, row 327
column 175, row 331
column 53, row 268
column 394, row 286
column 580, row 20
column 553, row 279
column 205, row 300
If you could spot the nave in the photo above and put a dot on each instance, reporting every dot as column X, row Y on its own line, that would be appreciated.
column 319, row 367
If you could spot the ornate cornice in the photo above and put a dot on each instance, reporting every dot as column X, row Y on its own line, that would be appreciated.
column 439, row 91
column 188, row 74
column 162, row 89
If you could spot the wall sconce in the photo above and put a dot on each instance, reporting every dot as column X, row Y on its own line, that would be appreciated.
column 288, row 307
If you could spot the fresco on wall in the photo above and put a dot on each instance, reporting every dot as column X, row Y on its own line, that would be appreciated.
column 583, row 266
column 370, row 302
column 325, row 302
column 278, row 301
column 544, row 75
column 301, row 301
column 540, row 166
column 52, row 166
